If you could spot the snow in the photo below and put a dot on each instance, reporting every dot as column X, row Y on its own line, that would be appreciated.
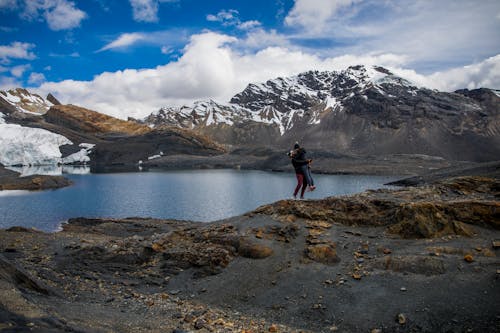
column 496, row 92
column 29, row 146
column 2, row 121
column 154, row 157
column 331, row 102
column 86, row 145
column 282, row 101
column 11, row 98
column 23, row 100
column 80, row 157
column 50, row 170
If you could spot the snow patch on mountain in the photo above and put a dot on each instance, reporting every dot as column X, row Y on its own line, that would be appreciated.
column 284, row 101
column 26, row 102
column 80, row 157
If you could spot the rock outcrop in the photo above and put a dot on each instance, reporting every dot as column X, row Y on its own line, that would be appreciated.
column 308, row 266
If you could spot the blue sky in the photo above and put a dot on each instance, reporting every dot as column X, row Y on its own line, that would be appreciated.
column 130, row 57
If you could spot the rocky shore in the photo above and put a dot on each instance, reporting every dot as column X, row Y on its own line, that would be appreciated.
column 417, row 259
column 10, row 180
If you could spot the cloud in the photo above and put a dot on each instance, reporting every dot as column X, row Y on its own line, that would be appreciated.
column 247, row 25
column 430, row 33
column 126, row 40
column 59, row 14
column 123, row 40
column 7, row 83
column 314, row 14
column 145, row 10
column 18, row 71
column 212, row 67
column 226, row 17
column 230, row 17
column 482, row 74
column 16, row 50
column 64, row 16
column 8, row 4
column 36, row 78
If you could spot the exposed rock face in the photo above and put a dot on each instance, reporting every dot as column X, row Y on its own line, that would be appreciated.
column 22, row 101
column 433, row 211
column 361, row 110
column 10, row 180
column 51, row 98
column 88, row 121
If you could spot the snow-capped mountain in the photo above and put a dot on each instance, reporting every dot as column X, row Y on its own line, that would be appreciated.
column 362, row 110
column 24, row 101
column 282, row 101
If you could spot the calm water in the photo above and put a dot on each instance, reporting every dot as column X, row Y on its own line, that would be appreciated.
column 199, row 195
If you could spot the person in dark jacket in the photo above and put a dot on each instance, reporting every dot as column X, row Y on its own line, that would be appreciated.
column 302, row 171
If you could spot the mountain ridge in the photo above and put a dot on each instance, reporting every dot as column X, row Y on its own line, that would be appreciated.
column 361, row 110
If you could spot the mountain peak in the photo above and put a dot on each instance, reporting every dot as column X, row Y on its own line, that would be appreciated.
column 24, row 101
column 283, row 101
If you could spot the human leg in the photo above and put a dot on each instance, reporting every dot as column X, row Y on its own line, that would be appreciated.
column 300, row 182
column 306, row 173
column 311, row 180
column 304, row 186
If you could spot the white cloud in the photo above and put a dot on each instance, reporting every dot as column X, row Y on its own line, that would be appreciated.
column 314, row 14
column 8, row 4
column 483, row 74
column 16, row 50
column 36, row 78
column 247, row 25
column 64, row 16
column 430, row 33
column 174, row 37
column 166, row 50
column 123, row 40
column 8, row 82
column 211, row 68
column 145, row 10
column 18, row 71
column 59, row 14
column 230, row 17
column 226, row 17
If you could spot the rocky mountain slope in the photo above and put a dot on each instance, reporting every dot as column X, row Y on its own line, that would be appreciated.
column 34, row 131
column 360, row 110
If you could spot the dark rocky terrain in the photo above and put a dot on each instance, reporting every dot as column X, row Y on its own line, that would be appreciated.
column 418, row 259
column 10, row 180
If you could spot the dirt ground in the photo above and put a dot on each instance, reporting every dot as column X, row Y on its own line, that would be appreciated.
column 418, row 259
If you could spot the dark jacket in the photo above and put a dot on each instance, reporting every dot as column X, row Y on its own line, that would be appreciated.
column 299, row 159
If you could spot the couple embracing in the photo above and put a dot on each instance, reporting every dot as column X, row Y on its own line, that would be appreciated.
column 302, row 168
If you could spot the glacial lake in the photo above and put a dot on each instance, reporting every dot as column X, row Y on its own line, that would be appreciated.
column 197, row 195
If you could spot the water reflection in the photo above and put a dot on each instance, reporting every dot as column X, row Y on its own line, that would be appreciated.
column 51, row 170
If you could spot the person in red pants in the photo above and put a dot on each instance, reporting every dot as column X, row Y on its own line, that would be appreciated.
column 300, row 164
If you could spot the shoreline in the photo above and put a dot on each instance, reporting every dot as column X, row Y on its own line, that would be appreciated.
column 310, row 266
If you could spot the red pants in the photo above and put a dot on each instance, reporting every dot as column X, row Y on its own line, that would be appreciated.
column 300, row 182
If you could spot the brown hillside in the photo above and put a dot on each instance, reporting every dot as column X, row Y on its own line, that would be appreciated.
column 85, row 120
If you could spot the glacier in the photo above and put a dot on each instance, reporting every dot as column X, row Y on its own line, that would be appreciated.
column 27, row 146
